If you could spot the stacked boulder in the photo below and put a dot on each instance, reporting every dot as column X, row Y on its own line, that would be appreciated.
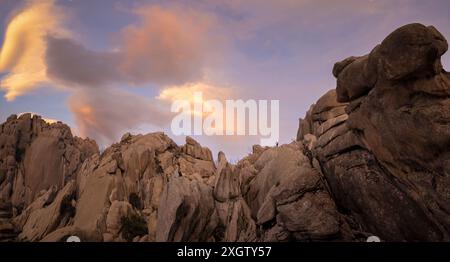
column 386, row 158
column 288, row 197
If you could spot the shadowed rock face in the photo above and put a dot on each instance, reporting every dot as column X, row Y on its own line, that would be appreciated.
column 388, row 164
column 371, row 158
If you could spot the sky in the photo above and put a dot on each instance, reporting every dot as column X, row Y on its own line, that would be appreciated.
column 106, row 67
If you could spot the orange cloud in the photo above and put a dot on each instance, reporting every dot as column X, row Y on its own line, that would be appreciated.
column 167, row 46
column 24, row 47
column 209, row 92
column 106, row 113
column 186, row 92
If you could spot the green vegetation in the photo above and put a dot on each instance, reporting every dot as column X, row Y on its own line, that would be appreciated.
column 133, row 226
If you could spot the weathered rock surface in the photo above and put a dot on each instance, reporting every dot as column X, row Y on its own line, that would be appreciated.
column 8, row 232
column 288, row 197
column 411, row 52
column 386, row 162
column 44, row 220
column 188, row 213
column 36, row 155
column 371, row 158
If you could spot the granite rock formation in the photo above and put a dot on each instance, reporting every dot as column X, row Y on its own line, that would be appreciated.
column 371, row 158
column 386, row 158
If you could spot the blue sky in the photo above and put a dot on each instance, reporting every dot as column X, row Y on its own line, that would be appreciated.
column 258, row 49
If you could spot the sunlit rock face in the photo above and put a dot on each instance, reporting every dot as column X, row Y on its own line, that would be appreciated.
column 371, row 158
column 36, row 155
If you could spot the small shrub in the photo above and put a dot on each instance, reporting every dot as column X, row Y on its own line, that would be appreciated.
column 133, row 226
column 19, row 154
column 66, row 206
column 135, row 201
column 2, row 176
column 219, row 233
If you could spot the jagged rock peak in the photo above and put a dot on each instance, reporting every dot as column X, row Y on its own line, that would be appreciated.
column 36, row 155
column 194, row 149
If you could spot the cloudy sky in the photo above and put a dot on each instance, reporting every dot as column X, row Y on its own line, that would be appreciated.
column 106, row 67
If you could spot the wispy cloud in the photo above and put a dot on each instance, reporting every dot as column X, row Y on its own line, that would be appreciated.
column 24, row 47
column 105, row 113
column 69, row 63
column 165, row 46
column 271, row 49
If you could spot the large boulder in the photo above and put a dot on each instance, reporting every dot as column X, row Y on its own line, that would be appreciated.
column 227, row 186
column 288, row 198
column 412, row 51
column 386, row 159
column 58, row 213
column 188, row 213
column 93, row 205
column 194, row 149
column 235, row 218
